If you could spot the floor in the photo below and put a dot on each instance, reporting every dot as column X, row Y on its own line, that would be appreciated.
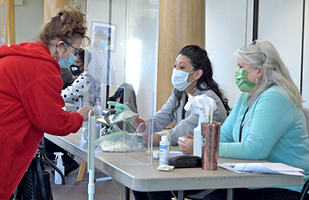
column 75, row 190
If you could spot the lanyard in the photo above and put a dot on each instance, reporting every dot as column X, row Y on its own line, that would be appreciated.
column 242, row 125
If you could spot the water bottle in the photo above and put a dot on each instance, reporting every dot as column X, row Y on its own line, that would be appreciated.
column 164, row 150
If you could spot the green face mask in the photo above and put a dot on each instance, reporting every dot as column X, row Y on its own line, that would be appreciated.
column 241, row 80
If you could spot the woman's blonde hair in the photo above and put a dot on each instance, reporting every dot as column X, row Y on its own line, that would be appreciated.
column 68, row 25
column 264, row 54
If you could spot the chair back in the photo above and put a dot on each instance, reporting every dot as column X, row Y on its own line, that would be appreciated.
column 126, row 94
column 305, row 188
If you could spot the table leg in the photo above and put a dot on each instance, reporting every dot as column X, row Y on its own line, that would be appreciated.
column 230, row 194
column 127, row 193
column 81, row 171
column 180, row 195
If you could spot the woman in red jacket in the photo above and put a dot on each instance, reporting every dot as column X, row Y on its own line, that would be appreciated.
column 30, row 88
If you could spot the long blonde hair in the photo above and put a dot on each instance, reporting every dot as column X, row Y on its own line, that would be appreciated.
column 264, row 54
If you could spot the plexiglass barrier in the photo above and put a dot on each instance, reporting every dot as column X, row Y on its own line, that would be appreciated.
column 122, row 128
column 122, row 53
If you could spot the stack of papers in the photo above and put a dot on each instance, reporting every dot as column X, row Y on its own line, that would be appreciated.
column 260, row 168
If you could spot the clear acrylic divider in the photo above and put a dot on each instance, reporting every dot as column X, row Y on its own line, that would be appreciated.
column 119, row 133
column 140, row 131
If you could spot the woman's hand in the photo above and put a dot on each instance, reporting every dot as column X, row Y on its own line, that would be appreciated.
column 84, row 112
column 187, row 145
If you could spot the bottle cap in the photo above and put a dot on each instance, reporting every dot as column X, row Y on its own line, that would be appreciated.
column 97, row 102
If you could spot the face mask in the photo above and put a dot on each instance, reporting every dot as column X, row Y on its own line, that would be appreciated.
column 103, row 44
column 179, row 79
column 66, row 63
column 75, row 70
column 241, row 80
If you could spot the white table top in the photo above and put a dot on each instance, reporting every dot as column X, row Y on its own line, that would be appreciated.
column 140, row 176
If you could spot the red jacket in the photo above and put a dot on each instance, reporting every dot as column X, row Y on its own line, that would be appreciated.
column 30, row 104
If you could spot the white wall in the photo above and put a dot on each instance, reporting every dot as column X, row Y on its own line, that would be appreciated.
column 28, row 19
column 227, row 29
column 229, row 25
column 280, row 22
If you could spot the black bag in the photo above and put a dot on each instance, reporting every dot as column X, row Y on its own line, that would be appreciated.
column 35, row 184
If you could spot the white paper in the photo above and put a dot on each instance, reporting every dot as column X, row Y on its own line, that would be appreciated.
column 270, row 168
column 172, row 154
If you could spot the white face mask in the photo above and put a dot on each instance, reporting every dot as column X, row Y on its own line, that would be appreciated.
column 179, row 79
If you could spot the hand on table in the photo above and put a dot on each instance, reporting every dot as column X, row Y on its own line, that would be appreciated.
column 187, row 145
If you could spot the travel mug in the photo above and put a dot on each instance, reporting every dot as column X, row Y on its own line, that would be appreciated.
column 210, row 145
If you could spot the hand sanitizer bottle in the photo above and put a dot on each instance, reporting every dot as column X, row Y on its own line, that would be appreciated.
column 197, row 136
column 164, row 150
column 97, row 108
column 59, row 166
column 98, row 113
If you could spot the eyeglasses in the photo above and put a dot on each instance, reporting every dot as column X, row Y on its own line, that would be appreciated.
column 77, row 51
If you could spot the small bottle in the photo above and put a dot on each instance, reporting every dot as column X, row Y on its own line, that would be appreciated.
column 97, row 108
column 85, row 126
column 98, row 113
column 164, row 150
column 58, row 178
column 85, row 130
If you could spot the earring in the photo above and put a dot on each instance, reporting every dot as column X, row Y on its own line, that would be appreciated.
column 257, row 80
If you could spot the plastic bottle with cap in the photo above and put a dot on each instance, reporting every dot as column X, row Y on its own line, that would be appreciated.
column 58, row 178
column 164, row 150
column 98, row 113
column 97, row 108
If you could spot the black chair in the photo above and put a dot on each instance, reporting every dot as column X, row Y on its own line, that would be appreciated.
column 304, row 191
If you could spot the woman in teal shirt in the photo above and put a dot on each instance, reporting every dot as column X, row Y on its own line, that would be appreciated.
column 267, row 121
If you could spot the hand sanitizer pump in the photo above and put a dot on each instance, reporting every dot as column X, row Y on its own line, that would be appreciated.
column 59, row 166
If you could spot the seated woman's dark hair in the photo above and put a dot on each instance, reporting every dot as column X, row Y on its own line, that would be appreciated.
column 199, row 60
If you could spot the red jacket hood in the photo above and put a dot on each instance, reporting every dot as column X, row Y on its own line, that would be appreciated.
column 32, row 50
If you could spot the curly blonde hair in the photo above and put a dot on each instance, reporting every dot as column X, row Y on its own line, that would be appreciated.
column 68, row 25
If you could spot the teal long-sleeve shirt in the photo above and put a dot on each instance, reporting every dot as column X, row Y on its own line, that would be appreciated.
column 274, row 129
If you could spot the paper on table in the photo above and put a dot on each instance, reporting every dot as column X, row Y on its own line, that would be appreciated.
column 172, row 154
column 273, row 168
